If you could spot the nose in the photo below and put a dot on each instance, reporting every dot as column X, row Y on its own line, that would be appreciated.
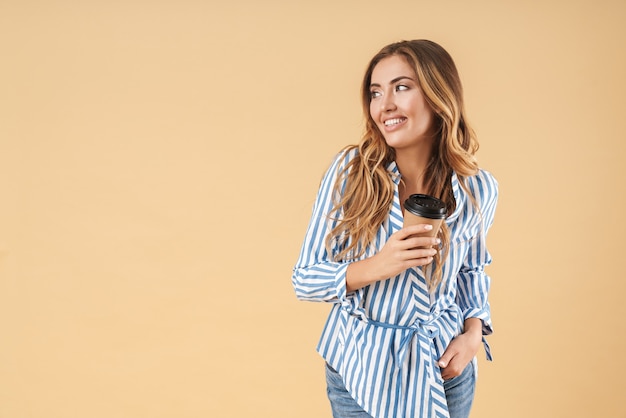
column 388, row 104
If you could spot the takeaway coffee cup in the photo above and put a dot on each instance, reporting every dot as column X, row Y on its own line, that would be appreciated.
column 424, row 209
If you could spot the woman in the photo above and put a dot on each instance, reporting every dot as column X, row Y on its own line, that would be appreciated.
column 409, row 312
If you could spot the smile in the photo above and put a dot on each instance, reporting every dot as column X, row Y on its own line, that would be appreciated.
column 395, row 121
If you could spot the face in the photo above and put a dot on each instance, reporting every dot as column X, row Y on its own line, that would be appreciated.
column 398, row 106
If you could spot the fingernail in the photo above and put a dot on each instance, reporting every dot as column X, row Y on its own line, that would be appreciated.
column 438, row 241
column 428, row 227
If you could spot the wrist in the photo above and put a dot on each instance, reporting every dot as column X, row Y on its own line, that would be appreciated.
column 473, row 326
column 357, row 275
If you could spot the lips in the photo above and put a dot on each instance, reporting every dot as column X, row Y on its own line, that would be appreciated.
column 394, row 121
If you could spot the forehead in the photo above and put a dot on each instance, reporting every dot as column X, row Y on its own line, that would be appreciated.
column 391, row 68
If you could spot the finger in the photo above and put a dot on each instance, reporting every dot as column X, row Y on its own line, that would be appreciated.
column 421, row 253
column 447, row 374
column 417, row 262
column 421, row 242
column 415, row 229
column 447, row 371
column 454, row 369
column 447, row 357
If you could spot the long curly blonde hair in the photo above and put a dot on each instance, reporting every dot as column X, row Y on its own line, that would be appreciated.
column 364, row 189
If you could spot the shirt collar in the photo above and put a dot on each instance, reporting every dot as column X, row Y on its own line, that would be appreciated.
column 392, row 168
column 460, row 196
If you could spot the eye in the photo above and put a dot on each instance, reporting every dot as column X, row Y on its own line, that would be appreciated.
column 374, row 94
column 402, row 87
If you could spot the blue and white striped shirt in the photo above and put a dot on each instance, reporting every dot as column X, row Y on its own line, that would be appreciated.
column 385, row 339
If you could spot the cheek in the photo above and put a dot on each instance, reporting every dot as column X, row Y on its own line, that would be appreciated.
column 424, row 111
column 373, row 113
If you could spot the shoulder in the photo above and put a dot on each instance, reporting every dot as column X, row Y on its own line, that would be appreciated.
column 335, row 171
column 484, row 187
column 347, row 154
column 341, row 160
column 485, row 179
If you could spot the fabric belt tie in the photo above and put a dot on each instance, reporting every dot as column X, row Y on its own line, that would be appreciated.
column 427, row 330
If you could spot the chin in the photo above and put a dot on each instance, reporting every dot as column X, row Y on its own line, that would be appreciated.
column 400, row 143
column 397, row 143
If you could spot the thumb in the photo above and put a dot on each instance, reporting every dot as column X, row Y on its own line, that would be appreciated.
column 445, row 359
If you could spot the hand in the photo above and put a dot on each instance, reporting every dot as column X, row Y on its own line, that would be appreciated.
column 461, row 350
column 400, row 252
column 404, row 250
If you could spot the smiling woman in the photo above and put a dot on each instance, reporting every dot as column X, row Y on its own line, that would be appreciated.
column 399, row 108
column 409, row 309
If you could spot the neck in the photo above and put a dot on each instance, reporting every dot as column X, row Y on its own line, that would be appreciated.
column 412, row 165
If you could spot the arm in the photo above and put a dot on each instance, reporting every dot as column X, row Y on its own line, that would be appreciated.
column 317, row 277
column 472, row 280
column 399, row 253
column 473, row 287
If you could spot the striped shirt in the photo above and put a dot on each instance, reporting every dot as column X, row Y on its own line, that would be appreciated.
column 385, row 339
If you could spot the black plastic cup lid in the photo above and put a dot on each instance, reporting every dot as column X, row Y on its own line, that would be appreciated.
column 426, row 206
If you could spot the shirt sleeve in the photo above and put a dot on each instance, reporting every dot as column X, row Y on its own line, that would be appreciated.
column 316, row 276
column 473, row 282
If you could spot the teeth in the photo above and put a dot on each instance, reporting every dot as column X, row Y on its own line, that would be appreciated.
column 393, row 121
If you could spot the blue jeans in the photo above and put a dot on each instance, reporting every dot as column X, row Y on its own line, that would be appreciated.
column 459, row 394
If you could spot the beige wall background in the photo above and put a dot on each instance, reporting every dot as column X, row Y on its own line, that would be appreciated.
column 159, row 160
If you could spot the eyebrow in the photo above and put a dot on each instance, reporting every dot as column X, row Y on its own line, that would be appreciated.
column 395, row 80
